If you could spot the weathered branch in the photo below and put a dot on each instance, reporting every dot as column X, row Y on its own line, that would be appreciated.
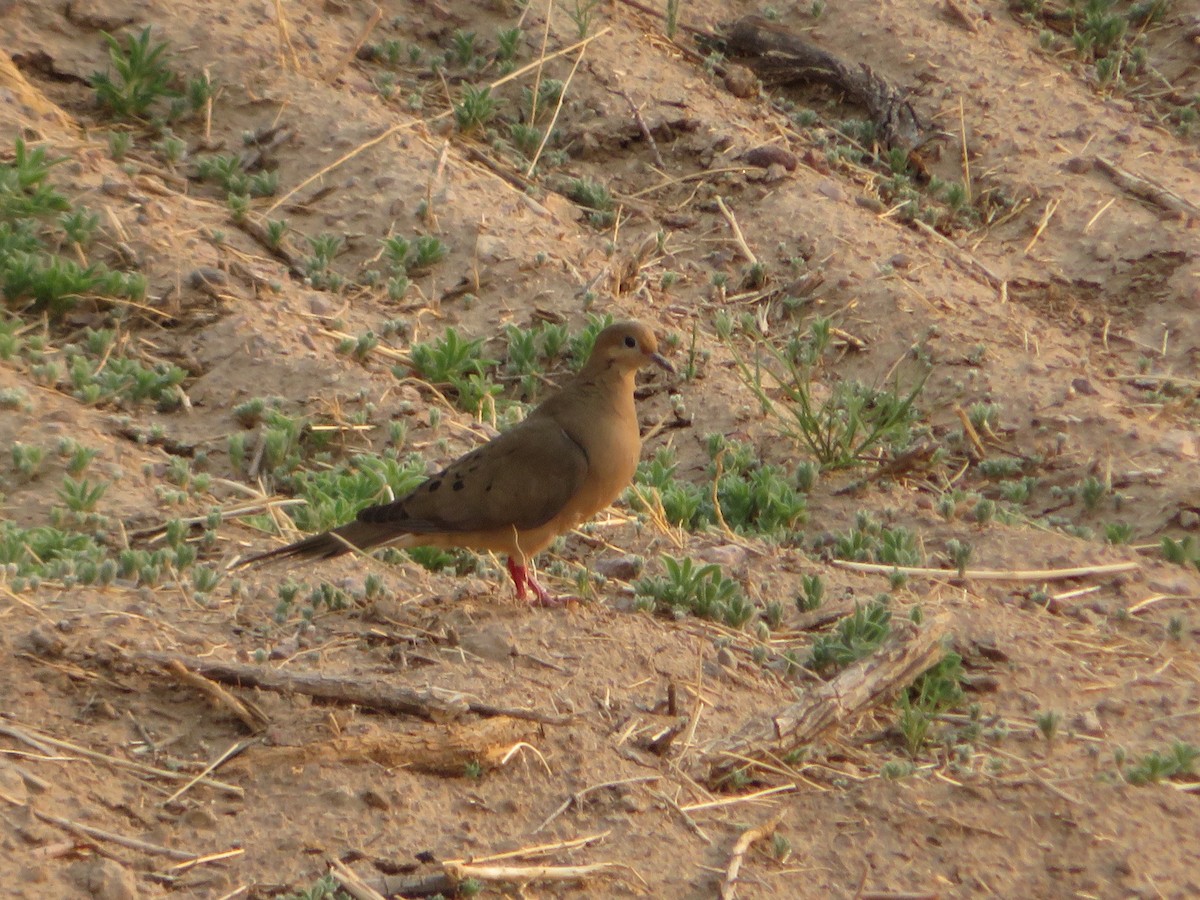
column 372, row 693
column 781, row 56
column 852, row 692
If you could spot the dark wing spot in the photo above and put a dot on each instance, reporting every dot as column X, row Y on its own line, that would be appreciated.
column 488, row 488
column 458, row 485
column 434, row 485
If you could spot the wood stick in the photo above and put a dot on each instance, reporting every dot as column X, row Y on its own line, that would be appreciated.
column 341, row 64
column 524, row 874
column 990, row 574
column 737, row 232
column 373, row 693
column 247, row 713
column 350, row 881
column 748, row 837
column 101, row 835
column 40, row 740
column 537, row 850
column 1143, row 187
column 852, row 692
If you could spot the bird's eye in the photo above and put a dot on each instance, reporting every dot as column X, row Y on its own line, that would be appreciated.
column 630, row 341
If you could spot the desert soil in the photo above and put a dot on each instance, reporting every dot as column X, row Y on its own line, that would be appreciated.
column 1071, row 305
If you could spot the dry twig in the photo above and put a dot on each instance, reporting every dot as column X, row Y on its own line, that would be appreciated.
column 748, row 837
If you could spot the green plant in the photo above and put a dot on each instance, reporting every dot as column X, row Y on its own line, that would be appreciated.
column 960, row 554
column 1180, row 759
column 26, row 459
column 1047, row 723
column 449, row 358
column 81, row 495
column 595, row 197
column 119, row 144
column 324, row 888
column 508, row 43
column 142, row 76
column 855, row 636
column 935, row 691
column 672, row 18
column 1181, row 552
column 474, row 109
column 1092, row 490
column 427, row 251
column 1118, row 532
column 581, row 13
column 840, row 430
column 463, row 49
column 812, row 592
column 691, row 589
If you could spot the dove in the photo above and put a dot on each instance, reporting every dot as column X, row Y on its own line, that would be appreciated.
column 565, row 462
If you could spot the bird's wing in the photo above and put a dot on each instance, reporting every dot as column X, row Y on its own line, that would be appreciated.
column 521, row 479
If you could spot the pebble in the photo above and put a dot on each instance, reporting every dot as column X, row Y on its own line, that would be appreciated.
column 105, row 879
column 622, row 568
column 740, row 81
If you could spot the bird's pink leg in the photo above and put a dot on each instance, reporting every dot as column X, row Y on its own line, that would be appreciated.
column 522, row 577
column 519, row 574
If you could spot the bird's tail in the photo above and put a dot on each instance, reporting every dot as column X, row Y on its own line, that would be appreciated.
column 353, row 536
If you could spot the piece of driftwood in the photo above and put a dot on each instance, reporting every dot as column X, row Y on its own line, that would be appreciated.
column 1141, row 186
column 249, row 713
column 853, row 691
column 372, row 693
column 444, row 750
column 781, row 57
column 728, row 889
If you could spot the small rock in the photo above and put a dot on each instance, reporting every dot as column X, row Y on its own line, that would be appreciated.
column 775, row 172
column 1078, row 165
column 1181, row 443
column 1084, row 387
column 622, row 568
column 771, row 154
column 727, row 556
column 1188, row 518
column 44, row 643
column 831, row 190
column 1088, row 722
column 206, row 276
column 199, row 817
column 375, row 800
column 105, row 879
column 741, row 82
column 490, row 248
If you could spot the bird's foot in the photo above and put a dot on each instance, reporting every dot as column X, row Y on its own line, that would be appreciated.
column 523, row 578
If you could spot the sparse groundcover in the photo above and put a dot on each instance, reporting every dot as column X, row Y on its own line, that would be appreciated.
column 912, row 544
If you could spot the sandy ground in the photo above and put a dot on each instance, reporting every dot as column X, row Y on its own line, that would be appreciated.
column 1071, row 305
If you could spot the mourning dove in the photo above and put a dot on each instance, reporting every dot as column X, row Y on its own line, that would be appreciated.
column 565, row 462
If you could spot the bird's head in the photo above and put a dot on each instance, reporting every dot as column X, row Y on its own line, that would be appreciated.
column 627, row 347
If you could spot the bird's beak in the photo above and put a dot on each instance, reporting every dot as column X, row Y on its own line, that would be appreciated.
column 661, row 361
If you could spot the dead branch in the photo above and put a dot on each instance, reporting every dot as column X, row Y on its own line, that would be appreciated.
column 853, row 691
column 373, row 693
column 1143, row 187
column 444, row 750
column 247, row 712
column 748, row 837
column 989, row 574
column 100, row 835
column 778, row 55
